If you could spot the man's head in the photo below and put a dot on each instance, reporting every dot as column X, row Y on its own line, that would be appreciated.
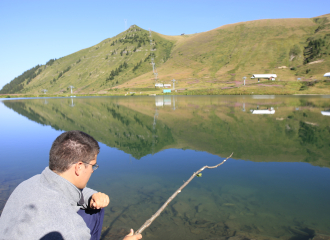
column 70, row 148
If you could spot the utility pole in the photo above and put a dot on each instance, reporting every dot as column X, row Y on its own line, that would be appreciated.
column 173, row 83
column 153, row 67
column 154, row 70
column 71, row 88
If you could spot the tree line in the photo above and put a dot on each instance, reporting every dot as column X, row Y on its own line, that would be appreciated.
column 61, row 74
column 50, row 62
column 141, row 40
column 17, row 84
column 116, row 72
column 314, row 48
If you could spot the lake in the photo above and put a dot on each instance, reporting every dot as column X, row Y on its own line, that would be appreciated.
column 276, row 185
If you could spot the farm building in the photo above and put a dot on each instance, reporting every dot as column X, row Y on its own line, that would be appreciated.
column 264, row 76
column 265, row 111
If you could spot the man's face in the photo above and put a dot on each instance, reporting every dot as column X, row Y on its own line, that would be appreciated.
column 87, row 170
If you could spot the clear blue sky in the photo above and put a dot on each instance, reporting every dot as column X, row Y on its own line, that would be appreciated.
column 32, row 32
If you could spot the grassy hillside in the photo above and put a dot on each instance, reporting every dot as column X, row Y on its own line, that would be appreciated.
column 126, row 56
column 216, row 59
column 221, row 57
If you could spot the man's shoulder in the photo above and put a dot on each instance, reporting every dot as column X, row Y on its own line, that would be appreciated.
column 36, row 219
column 35, row 208
column 35, row 190
column 30, row 181
column 30, row 185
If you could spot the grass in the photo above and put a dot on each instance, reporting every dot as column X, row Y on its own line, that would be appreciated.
column 271, row 88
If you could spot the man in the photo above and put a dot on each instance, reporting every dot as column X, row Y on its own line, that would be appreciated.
column 56, row 204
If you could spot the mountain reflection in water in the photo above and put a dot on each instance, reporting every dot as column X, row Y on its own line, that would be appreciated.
column 277, row 193
column 141, row 126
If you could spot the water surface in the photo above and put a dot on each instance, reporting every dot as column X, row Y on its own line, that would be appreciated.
column 275, row 186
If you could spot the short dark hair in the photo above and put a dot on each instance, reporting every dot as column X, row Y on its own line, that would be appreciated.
column 71, row 147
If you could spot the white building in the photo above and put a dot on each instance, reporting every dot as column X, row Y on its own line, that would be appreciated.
column 265, row 76
column 265, row 111
column 160, row 85
column 325, row 113
column 327, row 75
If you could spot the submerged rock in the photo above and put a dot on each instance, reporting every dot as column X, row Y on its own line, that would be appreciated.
column 115, row 209
column 303, row 233
column 199, row 208
column 181, row 207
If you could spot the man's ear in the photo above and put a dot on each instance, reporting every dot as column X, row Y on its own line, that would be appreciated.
column 78, row 168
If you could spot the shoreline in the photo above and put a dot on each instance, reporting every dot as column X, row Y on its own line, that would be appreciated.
column 30, row 96
column 290, row 88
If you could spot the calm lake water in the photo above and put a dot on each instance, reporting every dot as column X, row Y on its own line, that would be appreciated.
column 276, row 185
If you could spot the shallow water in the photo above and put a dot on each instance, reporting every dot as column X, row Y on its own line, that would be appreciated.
column 276, row 185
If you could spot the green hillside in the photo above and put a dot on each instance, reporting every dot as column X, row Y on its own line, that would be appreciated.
column 216, row 59
column 110, row 63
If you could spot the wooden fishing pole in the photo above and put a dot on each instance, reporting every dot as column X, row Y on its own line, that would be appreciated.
column 153, row 217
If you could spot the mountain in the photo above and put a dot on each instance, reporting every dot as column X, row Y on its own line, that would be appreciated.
column 218, row 59
column 112, row 62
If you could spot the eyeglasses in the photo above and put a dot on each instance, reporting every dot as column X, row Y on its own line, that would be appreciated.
column 94, row 166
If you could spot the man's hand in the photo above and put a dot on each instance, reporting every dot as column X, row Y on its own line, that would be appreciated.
column 99, row 200
column 131, row 236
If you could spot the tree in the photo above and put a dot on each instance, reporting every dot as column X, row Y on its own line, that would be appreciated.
column 295, row 50
column 16, row 85
column 50, row 62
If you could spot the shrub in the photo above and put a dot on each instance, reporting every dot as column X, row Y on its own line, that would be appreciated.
column 295, row 50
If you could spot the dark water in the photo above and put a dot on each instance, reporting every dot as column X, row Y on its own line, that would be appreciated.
column 277, row 185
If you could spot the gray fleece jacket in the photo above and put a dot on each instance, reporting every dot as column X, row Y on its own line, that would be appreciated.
column 46, row 206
